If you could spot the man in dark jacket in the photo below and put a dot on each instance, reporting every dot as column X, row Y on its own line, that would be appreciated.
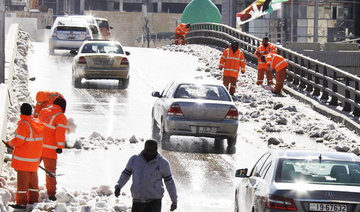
column 148, row 169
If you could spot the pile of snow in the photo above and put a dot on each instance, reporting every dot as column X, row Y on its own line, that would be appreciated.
column 271, row 113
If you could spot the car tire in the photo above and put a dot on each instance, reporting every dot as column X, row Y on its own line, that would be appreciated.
column 232, row 141
column 51, row 51
column 124, row 83
column 77, row 82
column 164, row 136
column 236, row 206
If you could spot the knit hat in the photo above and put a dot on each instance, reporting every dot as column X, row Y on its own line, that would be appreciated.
column 61, row 102
column 26, row 109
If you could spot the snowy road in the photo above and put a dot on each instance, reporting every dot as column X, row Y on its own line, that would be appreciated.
column 204, row 173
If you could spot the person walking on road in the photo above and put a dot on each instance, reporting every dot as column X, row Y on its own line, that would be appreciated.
column 44, row 99
column 232, row 61
column 27, row 147
column 55, row 122
column 180, row 33
column 277, row 62
column 262, row 50
column 148, row 168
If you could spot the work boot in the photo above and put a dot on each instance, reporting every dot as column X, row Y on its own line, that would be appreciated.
column 17, row 206
column 52, row 198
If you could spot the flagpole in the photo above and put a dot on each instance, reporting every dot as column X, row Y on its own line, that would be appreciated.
column 292, row 21
column 316, row 18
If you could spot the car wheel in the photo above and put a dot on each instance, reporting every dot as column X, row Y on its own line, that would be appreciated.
column 124, row 83
column 77, row 82
column 51, row 51
column 232, row 141
column 164, row 136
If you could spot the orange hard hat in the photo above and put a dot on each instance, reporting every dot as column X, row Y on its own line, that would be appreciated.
column 42, row 96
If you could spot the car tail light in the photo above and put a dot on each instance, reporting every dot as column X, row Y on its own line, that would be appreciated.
column 88, row 34
column 280, row 203
column 82, row 60
column 175, row 110
column 124, row 61
column 232, row 114
column 54, row 33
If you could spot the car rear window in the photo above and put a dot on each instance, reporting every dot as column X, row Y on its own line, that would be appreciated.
column 194, row 91
column 330, row 172
column 71, row 28
column 102, row 24
column 102, row 48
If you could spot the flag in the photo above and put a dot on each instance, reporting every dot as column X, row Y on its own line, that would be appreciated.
column 257, row 9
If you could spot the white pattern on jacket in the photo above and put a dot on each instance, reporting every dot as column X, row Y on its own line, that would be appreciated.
column 147, row 178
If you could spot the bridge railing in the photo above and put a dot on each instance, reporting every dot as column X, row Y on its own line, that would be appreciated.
column 321, row 80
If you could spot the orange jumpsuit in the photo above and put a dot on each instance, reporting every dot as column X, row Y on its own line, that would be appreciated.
column 26, row 156
column 44, row 99
column 180, row 33
column 54, row 138
column 262, row 68
column 277, row 62
column 232, row 64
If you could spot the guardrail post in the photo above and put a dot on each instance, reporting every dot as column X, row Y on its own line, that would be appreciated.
column 334, row 100
column 356, row 111
column 309, row 87
column 302, row 74
column 347, row 105
column 325, row 95
column 317, row 79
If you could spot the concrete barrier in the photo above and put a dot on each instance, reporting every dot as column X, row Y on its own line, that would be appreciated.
column 6, row 88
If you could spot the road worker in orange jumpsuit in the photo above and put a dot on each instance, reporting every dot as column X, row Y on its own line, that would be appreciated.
column 232, row 61
column 262, row 68
column 44, row 99
column 277, row 62
column 180, row 33
column 27, row 147
column 54, row 140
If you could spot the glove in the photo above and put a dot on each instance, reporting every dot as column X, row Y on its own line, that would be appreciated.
column 173, row 206
column 117, row 191
column 59, row 151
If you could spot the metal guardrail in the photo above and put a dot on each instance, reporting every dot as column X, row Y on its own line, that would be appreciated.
column 330, row 84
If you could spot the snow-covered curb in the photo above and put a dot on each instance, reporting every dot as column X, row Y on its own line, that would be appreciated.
column 273, row 114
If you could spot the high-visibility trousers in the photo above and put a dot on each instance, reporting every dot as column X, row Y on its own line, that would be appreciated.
column 230, row 84
column 260, row 76
column 27, row 188
column 179, row 37
column 50, row 164
column 280, row 78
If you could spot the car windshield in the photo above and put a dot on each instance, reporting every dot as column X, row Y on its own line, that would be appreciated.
column 194, row 91
column 330, row 172
column 102, row 48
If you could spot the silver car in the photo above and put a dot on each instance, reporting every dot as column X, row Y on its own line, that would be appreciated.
column 300, row 181
column 195, row 108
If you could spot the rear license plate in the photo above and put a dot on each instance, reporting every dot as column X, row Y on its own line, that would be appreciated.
column 71, row 36
column 327, row 207
column 103, row 62
column 203, row 130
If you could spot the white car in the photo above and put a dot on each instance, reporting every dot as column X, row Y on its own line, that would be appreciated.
column 68, row 34
column 101, row 60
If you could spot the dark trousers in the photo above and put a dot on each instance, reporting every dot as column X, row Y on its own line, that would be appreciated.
column 230, row 82
column 152, row 206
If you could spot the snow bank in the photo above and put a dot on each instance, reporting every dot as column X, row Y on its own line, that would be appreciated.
column 274, row 114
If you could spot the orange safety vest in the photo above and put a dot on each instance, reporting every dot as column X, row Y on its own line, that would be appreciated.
column 263, row 51
column 44, row 99
column 276, row 62
column 27, row 144
column 181, row 30
column 231, row 62
column 54, row 133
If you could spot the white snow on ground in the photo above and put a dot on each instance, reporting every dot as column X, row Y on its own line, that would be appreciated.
column 270, row 114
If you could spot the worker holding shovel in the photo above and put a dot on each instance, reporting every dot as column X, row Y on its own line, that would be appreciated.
column 26, row 156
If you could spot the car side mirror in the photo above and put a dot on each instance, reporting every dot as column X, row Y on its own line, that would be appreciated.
column 48, row 27
column 127, row 53
column 241, row 173
column 156, row 94
column 111, row 27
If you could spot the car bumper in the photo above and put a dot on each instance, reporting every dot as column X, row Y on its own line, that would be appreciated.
column 181, row 126
column 99, row 73
column 55, row 43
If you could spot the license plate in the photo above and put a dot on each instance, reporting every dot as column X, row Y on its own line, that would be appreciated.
column 71, row 36
column 327, row 207
column 103, row 62
column 203, row 130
